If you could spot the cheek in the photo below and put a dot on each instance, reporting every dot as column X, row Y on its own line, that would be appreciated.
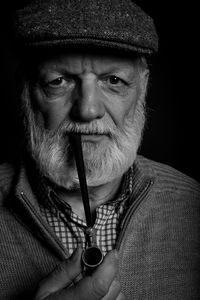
column 53, row 112
column 54, row 115
column 123, row 108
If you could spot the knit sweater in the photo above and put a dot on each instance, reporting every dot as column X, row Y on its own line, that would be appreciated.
column 159, row 255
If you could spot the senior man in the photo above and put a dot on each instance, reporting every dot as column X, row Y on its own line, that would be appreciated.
column 84, row 67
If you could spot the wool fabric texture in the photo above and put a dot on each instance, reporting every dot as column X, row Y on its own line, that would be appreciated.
column 158, row 244
column 110, row 24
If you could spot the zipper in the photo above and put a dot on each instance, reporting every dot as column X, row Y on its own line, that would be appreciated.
column 123, row 226
column 43, row 225
column 132, row 210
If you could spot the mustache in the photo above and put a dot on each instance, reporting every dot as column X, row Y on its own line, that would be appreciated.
column 97, row 127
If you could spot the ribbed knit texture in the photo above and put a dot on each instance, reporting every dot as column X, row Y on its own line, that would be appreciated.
column 158, row 247
column 118, row 24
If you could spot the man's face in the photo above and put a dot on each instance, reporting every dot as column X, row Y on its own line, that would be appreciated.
column 100, row 97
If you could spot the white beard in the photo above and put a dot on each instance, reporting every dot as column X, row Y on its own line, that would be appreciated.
column 104, row 162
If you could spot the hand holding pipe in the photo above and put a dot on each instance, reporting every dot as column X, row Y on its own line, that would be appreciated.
column 91, row 256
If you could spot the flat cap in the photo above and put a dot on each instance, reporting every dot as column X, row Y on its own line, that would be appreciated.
column 113, row 24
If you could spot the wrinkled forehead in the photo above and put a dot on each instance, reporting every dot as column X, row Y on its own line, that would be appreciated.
column 79, row 61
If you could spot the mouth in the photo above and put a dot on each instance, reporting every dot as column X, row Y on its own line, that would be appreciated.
column 90, row 137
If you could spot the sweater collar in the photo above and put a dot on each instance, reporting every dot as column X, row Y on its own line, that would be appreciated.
column 28, row 178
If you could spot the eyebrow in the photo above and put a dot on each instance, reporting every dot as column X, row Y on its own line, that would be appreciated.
column 105, row 69
column 121, row 70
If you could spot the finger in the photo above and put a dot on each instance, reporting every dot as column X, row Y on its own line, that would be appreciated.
column 97, row 286
column 121, row 297
column 62, row 275
column 114, row 291
column 106, row 272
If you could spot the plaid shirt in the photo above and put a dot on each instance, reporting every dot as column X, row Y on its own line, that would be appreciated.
column 70, row 228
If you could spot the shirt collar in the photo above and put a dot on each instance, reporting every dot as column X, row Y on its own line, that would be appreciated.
column 48, row 197
column 133, row 182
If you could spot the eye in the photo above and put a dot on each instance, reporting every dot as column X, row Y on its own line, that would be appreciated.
column 114, row 80
column 57, row 82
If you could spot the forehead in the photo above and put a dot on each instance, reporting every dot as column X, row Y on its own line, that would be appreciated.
column 85, row 62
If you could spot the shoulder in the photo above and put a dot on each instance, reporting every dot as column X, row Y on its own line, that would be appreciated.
column 168, row 179
column 174, row 198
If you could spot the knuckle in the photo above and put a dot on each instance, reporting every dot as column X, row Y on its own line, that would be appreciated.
column 115, row 289
column 114, row 292
column 117, row 286
column 66, row 268
column 60, row 269
column 62, row 272
column 99, row 287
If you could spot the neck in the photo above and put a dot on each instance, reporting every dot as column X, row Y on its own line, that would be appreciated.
column 97, row 196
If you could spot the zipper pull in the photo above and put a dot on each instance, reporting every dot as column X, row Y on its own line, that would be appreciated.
column 92, row 256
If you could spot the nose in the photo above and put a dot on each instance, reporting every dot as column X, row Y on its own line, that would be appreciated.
column 87, row 103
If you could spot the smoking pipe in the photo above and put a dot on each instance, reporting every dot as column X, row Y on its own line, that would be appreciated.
column 92, row 256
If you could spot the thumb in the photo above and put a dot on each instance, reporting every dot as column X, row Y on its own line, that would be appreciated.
column 62, row 276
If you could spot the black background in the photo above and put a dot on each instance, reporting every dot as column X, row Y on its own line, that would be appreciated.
column 172, row 131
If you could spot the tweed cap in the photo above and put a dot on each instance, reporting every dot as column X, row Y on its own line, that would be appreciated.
column 113, row 24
